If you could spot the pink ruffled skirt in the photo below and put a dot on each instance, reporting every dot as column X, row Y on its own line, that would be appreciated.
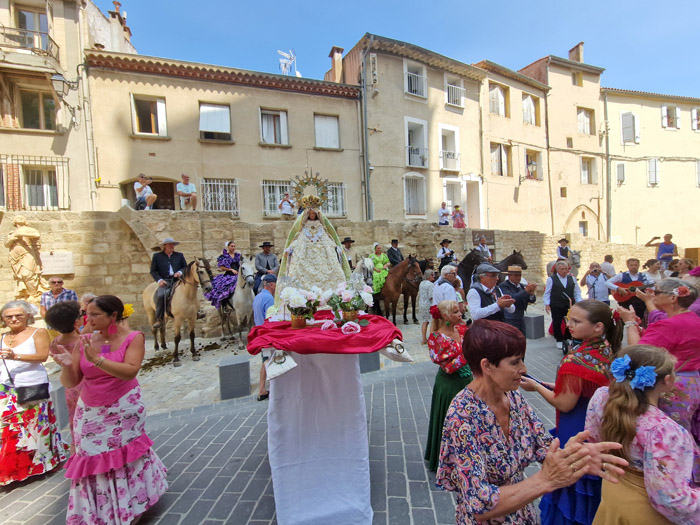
column 115, row 474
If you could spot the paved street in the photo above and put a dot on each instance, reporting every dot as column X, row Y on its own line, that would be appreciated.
column 217, row 457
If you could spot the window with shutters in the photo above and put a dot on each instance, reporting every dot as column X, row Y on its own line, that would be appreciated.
column 414, row 194
column 416, row 142
column 589, row 170
column 498, row 100
column 327, row 131
column 630, row 128
column 621, row 173
column 273, row 127
column 335, row 204
column 214, row 122
column 500, row 160
column 670, row 117
column 531, row 110
column 148, row 116
column 695, row 119
column 653, row 172
column 586, row 121
column 449, row 148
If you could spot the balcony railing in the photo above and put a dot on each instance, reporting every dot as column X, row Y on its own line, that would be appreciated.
column 416, row 85
column 450, row 160
column 455, row 95
column 36, row 41
column 417, row 157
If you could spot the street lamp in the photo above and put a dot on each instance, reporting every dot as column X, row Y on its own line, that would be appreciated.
column 61, row 86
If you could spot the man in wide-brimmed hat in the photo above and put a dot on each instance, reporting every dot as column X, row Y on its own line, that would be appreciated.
column 563, row 250
column 523, row 294
column 445, row 254
column 349, row 251
column 166, row 265
column 265, row 263
column 484, row 298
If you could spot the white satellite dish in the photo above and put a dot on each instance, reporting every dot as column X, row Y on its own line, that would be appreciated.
column 288, row 63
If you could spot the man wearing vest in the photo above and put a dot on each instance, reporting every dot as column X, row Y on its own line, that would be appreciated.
column 485, row 299
column 560, row 294
column 632, row 274
column 394, row 253
column 522, row 293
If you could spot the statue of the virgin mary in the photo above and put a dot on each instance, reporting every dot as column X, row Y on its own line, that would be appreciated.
column 313, row 255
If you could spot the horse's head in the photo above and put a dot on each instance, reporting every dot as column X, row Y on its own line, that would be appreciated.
column 203, row 275
column 474, row 257
column 414, row 273
column 246, row 273
column 518, row 259
column 576, row 258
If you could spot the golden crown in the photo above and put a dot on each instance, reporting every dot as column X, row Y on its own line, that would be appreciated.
column 311, row 201
column 299, row 184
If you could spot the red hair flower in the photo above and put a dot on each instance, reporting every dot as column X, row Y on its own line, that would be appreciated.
column 615, row 317
column 681, row 291
column 435, row 312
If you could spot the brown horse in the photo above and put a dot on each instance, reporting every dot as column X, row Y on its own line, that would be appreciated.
column 409, row 289
column 184, row 305
column 390, row 292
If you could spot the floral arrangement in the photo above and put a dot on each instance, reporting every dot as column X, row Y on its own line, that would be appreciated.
column 128, row 310
column 301, row 302
column 352, row 297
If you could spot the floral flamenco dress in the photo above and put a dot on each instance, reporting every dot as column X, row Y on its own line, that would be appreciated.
column 223, row 285
column 582, row 372
column 378, row 278
column 115, row 474
column 454, row 374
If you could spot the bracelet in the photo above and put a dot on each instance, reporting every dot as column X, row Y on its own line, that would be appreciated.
column 98, row 363
column 630, row 323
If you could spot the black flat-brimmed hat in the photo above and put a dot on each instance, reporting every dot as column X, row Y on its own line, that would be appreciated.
column 347, row 239
column 394, row 240
column 266, row 243
column 445, row 241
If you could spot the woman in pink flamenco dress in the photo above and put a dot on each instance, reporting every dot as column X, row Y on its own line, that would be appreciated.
column 115, row 474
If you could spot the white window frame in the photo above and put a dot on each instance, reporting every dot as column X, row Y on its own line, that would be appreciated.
column 498, row 99
column 586, row 120
column 272, row 193
column 531, row 102
column 504, row 161
column 588, row 167
column 633, row 136
column 620, row 174
column 653, row 172
column 220, row 195
column 421, row 208
column 214, row 119
column 695, row 119
column 335, row 204
column 161, row 124
column 325, row 126
column 423, row 151
column 454, row 91
column 453, row 157
column 283, row 131
column 47, row 196
column 418, row 81
column 42, row 113
column 539, row 171
column 697, row 172
column 670, row 117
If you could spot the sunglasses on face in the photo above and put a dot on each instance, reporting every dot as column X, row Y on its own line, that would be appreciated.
column 55, row 282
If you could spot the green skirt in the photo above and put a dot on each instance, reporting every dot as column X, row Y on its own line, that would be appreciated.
column 447, row 386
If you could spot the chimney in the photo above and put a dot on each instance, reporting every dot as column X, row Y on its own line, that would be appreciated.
column 336, row 56
column 576, row 53
column 120, row 17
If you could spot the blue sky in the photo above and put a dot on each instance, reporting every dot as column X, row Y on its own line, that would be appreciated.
column 642, row 45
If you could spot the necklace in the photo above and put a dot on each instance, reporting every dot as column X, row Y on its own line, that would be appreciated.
column 13, row 335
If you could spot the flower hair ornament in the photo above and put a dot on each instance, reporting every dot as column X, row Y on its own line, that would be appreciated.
column 640, row 378
column 434, row 312
column 681, row 291
column 615, row 317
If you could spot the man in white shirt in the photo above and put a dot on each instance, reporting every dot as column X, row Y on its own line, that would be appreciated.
column 144, row 194
column 286, row 208
column 484, row 250
column 560, row 294
column 485, row 299
column 595, row 279
column 443, row 215
column 607, row 267
column 187, row 193
column 444, row 289
column 445, row 254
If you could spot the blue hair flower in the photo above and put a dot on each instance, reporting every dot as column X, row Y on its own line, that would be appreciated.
column 620, row 367
column 644, row 376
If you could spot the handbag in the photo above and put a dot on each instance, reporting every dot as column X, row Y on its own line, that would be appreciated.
column 279, row 363
column 27, row 394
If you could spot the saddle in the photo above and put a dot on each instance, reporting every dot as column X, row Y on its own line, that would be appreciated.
column 168, row 297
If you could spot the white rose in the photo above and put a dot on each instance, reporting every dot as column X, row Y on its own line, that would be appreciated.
column 297, row 300
column 272, row 310
column 367, row 298
column 287, row 293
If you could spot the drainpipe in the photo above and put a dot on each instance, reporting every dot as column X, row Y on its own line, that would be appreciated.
column 549, row 153
column 365, row 134
column 87, row 115
column 608, row 170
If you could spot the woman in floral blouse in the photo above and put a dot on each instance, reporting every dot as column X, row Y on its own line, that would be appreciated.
column 582, row 371
column 656, row 488
column 445, row 347
column 491, row 435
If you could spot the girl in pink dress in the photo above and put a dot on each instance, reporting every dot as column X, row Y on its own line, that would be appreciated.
column 458, row 218
column 115, row 474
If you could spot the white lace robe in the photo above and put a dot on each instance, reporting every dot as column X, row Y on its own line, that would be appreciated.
column 313, row 258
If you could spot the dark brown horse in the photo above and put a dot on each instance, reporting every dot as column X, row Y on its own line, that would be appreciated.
column 390, row 292
column 409, row 289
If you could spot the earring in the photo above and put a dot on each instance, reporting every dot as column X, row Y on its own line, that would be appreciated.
column 112, row 329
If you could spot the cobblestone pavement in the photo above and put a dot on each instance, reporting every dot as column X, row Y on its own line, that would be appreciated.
column 216, row 453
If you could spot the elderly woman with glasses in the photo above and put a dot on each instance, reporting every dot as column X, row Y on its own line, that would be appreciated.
column 30, row 444
column 679, row 333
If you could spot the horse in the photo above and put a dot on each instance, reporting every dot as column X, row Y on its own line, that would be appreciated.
column 426, row 264
column 365, row 268
column 514, row 259
column 574, row 261
column 391, row 290
column 246, row 278
column 184, row 305
column 467, row 266
column 409, row 289
column 243, row 297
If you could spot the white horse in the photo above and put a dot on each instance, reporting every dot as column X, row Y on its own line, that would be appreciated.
column 574, row 261
column 242, row 300
column 365, row 268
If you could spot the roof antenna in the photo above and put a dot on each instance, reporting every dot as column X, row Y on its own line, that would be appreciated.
column 288, row 63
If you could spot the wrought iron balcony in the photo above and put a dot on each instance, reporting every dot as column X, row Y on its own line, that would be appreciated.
column 35, row 41
column 455, row 95
column 416, row 85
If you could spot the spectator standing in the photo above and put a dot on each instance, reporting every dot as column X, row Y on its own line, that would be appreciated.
column 444, row 289
column 595, row 279
column 523, row 294
column 394, row 253
column 261, row 303
column 265, row 263
column 561, row 293
column 56, row 294
column 443, row 215
column 607, row 267
column 653, row 270
column 286, row 208
column 188, row 193
column 425, row 301
column 144, row 194
column 485, row 299
column 665, row 251
column 458, row 218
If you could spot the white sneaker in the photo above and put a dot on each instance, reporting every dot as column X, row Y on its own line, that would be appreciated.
column 148, row 208
column 560, row 345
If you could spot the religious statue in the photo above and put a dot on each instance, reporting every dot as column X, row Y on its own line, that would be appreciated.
column 24, row 245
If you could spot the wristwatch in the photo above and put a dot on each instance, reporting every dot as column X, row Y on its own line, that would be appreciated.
column 18, row 357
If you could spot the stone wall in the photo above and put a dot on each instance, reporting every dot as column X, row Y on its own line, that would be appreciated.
column 112, row 250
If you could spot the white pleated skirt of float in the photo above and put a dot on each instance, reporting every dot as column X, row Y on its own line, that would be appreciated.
column 318, row 444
